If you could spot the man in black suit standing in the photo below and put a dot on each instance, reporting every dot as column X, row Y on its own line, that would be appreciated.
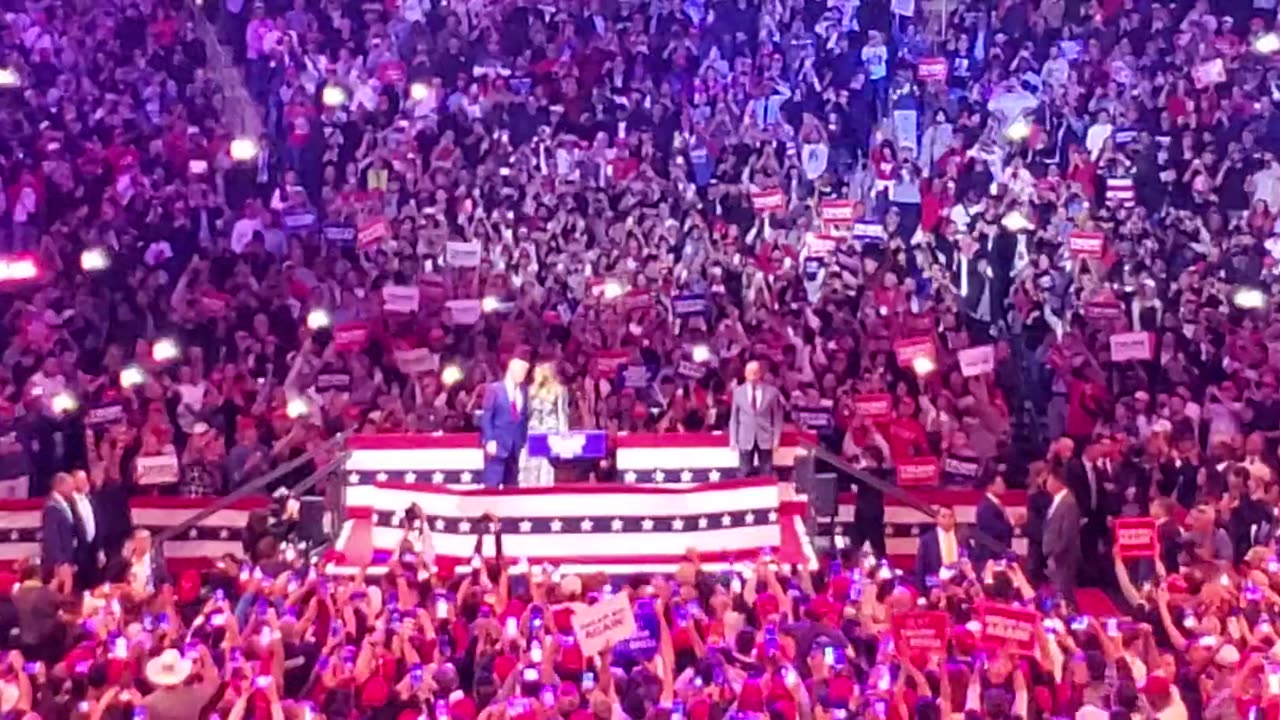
column 992, row 520
column 1089, row 479
column 89, row 555
column 940, row 546
column 1061, row 541
column 60, row 535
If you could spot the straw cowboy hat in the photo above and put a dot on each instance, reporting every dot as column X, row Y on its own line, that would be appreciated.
column 168, row 669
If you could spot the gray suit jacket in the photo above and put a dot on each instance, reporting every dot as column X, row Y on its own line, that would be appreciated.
column 1062, row 533
column 756, row 426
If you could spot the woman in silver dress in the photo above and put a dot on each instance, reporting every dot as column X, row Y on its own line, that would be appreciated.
column 548, row 413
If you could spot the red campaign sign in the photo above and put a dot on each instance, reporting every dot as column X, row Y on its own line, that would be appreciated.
column 821, row 245
column 351, row 335
column 765, row 201
column 918, row 472
column 372, row 233
column 836, row 211
column 606, row 364
column 921, row 632
column 391, row 72
column 911, row 348
column 637, row 299
column 1136, row 537
column 1086, row 244
column 932, row 69
column 1103, row 310
column 876, row 406
column 1008, row 625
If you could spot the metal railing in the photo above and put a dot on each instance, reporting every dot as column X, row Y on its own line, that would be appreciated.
column 257, row 485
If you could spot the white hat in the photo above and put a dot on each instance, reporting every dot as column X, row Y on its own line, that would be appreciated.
column 168, row 669
column 1227, row 656
column 571, row 586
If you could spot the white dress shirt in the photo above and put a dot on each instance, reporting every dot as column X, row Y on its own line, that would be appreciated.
column 513, row 393
column 1057, row 500
column 140, row 573
column 85, row 508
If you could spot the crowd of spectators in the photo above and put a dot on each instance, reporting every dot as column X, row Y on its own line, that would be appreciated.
column 851, row 192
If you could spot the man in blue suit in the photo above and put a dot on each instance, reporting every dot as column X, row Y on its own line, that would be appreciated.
column 59, row 534
column 940, row 546
column 992, row 519
column 504, row 424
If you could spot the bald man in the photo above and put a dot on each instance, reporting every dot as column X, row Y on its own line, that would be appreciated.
column 755, row 422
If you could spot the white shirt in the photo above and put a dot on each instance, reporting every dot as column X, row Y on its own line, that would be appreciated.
column 876, row 59
column 1057, row 500
column 513, row 393
column 85, row 508
column 140, row 573
column 948, row 547
column 1097, row 135
column 1266, row 186
column 242, row 233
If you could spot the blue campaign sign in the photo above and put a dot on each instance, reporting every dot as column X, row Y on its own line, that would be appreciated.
column 568, row 445
column 644, row 644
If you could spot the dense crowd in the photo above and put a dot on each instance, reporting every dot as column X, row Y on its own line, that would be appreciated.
column 282, row 639
column 937, row 226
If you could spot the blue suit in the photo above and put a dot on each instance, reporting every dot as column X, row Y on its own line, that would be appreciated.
column 507, row 426
column 993, row 521
column 58, row 537
column 929, row 555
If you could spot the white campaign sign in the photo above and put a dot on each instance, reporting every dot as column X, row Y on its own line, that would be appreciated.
column 401, row 298
column 156, row 470
column 416, row 361
column 462, row 254
column 1131, row 346
column 463, row 312
column 977, row 360
column 603, row 624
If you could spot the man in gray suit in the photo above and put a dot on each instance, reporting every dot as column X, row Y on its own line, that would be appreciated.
column 1062, row 537
column 755, row 422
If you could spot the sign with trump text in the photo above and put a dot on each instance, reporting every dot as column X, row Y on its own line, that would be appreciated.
column 921, row 632
column 1136, row 537
column 1008, row 626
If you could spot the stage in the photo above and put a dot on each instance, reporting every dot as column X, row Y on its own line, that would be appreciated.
column 673, row 492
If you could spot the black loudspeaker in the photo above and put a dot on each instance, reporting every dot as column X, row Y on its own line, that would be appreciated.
column 311, row 525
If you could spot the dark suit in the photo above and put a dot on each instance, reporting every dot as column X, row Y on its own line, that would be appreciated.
column 1169, row 540
column 1089, row 485
column 114, row 521
column 41, row 633
column 88, row 572
column 58, row 536
column 1178, row 479
column 504, row 421
column 992, row 521
column 1062, row 545
column 1038, row 503
column 868, row 515
column 929, row 555
column 119, row 567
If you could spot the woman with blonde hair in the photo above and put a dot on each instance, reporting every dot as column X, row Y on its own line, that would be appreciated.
column 548, row 413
